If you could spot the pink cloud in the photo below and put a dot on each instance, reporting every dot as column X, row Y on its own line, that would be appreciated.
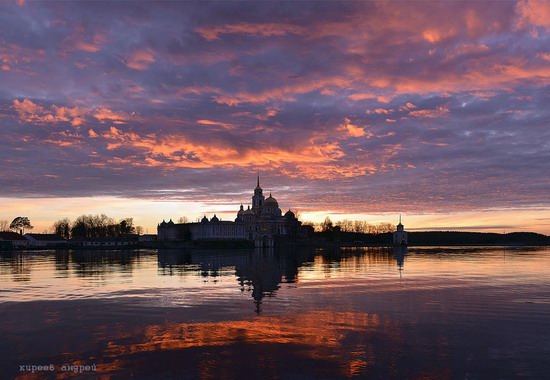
column 534, row 13
column 226, row 126
column 435, row 36
column 140, row 59
column 484, row 95
column 326, row 91
column 176, row 151
column 438, row 112
column 407, row 107
column 353, row 130
column 30, row 112
column 265, row 30
column 380, row 111
column 85, row 46
column 82, row 40
column 104, row 114
column 16, row 58
column 467, row 49
column 361, row 96
column 284, row 92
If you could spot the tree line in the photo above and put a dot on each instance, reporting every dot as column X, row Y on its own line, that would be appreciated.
column 95, row 226
column 355, row 226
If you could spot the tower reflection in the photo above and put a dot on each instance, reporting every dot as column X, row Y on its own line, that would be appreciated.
column 399, row 253
column 262, row 271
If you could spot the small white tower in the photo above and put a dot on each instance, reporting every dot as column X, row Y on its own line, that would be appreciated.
column 400, row 236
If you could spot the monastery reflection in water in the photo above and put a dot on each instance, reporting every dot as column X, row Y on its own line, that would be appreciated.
column 262, row 271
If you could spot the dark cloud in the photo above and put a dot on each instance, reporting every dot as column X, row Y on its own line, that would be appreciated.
column 384, row 106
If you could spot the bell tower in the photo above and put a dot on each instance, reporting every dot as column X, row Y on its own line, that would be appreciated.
column 400, row 236
column 258, row 198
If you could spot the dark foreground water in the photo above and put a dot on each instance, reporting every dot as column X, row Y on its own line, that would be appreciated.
column 445, row 313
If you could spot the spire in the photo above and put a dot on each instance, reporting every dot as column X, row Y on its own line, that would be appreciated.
column 399, row 218
column 258, row 180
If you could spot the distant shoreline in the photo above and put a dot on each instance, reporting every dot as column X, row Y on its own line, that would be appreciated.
column 218, row 246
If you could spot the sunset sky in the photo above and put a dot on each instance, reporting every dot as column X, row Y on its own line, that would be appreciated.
column 360, row 110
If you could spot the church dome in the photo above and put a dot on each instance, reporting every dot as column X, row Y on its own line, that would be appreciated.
column 204, row 219
column 290, row 215
column 270, row 201
column 214, row 219
column 241, row 211
column 248, row 212
column 170, row 223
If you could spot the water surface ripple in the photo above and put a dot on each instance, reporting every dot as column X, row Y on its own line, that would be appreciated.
column 425, row 313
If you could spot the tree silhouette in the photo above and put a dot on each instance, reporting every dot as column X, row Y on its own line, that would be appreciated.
column 63, row 228
column 20, row 223
column 327, row 225
column 100, row 226
column 127, row 226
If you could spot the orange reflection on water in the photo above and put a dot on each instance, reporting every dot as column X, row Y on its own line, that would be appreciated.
column 319, row 335
column 317, row 328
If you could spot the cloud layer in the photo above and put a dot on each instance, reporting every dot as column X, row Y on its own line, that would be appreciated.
column 345, row 106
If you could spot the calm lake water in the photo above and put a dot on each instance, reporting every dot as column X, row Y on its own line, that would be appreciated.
column 430, row 313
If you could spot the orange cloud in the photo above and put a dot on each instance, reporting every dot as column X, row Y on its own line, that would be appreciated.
column 434, row 143
column 329, row 92
column 467, row 49
column 329, row 171
column 14, row 58
column 104, row 114
column 407, row 107
column 258, row 29
column 484, row 95
column 217, row 124
column 75, row 115
column 434, row 36
column 136, row 88
column 534, row 13
column 141, row 60
column 84, row 46
column 64, row 139
column 438, row 112
column 353, row 130
column 33, row 113
column 285, row 92
column 380, row 111
column 361, row 96
column 82, row 41
column 313, row 158
column 27, row 108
